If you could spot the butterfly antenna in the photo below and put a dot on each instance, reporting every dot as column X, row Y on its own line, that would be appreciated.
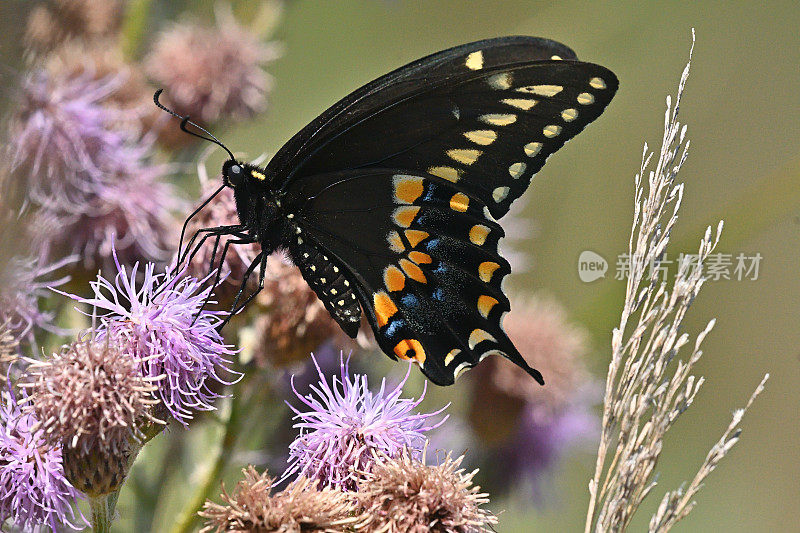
column 185, row 120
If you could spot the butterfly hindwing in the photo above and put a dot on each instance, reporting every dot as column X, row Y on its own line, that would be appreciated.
column 423, row 257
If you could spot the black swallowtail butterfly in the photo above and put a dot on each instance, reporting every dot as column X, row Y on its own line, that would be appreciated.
column 389, row 200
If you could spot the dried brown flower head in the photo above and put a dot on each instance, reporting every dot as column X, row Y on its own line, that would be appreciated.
column 540, row 330
column 405, row 495
column 212, row 72
column 104, row 60
column 90, row 396
column 62, row 20
column 301, row 507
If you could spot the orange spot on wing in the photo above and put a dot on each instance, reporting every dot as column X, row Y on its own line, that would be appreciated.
column 404, row 216
column 410, row 349
column 478, row 234
column 408, row 188
column 416, row 236
column 413, row 271
column 384, row 308
column 486, row 270
column 419, row 257
column 485, row 304
column 459, row 202
column 394, row 279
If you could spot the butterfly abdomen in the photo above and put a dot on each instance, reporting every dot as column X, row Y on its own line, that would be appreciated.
column 327, row 278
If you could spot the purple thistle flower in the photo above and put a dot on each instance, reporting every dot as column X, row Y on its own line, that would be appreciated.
column 21, row 287
column 82, row 157
column 66, row 139
column 130, row 214
column 347, row 423
column 33, row 490
column 157, row 319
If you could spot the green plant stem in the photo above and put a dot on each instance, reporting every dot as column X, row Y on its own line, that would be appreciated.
column 188, row 515
column 134, row 26
column 101, row 514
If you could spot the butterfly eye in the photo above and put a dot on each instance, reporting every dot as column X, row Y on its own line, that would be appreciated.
column 235, row 175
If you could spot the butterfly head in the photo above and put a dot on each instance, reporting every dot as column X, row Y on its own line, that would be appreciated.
column 233, row 173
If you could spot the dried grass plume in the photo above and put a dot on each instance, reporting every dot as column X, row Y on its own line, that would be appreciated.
column 648, row 387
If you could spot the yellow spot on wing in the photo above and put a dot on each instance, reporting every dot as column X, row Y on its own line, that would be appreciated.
column 498, row 119
column 551, row 130
column 408, row 188
column 478, row 234
column 466, row 157
column 459, row 202
column 485, row 304
column 448, row 173
column 413, row 271
column 420, row 258
column 516, row 170
column 486, row 270
column 450, row 356
column 410, row 349
column 395, row 242
column 475, row 60
column 500, row 81
column 597, row 83
column 384, row 308
column 532, row 149
column 477, row 336
column 520, row 103
column 404, row 216
column 258, row 175
column 499, row 194
column 394, row 279
column 585, row 98
column 569, row 114
column 482, row 137
column 541, row 90
column 415, row 236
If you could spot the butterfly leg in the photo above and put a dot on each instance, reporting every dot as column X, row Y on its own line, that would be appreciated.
column 261, row 259
column 209, row 232
column 241, row 239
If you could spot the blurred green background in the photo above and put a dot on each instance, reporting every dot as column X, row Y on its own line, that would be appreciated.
column 742, row 105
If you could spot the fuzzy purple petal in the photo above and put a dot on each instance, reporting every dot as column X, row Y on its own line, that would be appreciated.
column 345, row 423
column 158, row 317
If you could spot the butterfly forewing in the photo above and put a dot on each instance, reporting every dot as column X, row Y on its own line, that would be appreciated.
column 398, row 187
